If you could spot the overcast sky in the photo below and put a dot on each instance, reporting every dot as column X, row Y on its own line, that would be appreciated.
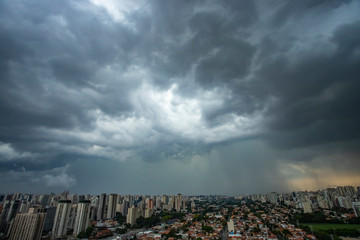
column 197, row 97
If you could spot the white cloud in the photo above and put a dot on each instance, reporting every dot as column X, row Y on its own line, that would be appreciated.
column 159, row 116
column 34, row 180
column 7, row 153
column 183, row 116
column 59, row 178
column 119, row 10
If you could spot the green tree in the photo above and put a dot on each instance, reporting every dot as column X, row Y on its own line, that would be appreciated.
column 172, row 233
column 120, row 218
column 207, row 229
column 86, row 234
column 256, row 229
column 121, row 230
column 81, row 235
column 147, row 222
column 286, row 232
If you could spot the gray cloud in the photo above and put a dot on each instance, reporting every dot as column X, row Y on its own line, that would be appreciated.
column 147, row 85
column 316, row 95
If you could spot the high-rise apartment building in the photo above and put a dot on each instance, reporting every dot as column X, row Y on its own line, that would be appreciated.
column 61, row 219
column 306, row 204
column 341, row 190
column 124, row 207
column 192, row 204
column 148, row 213
column 273, row 198
column 356, row 208
column 13, row 210
column 133, row 214
column 178, row 202
column 344, row 202
column 349, row 191
column 72, row 216
column 5, row 210
column 158, row 203
column 101, row 207
column 24, row 207
column 28, row 226
column 111, row 210
column 165, row 199
column 82, row 220
column 150, row 204
column 49, row 219
column 172, row 202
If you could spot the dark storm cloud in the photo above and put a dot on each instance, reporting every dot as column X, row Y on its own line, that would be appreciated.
column 60, row 42
column 46, row 51
column 180, row 80
column 317, row 94
column 290, row 10
column 186, row 33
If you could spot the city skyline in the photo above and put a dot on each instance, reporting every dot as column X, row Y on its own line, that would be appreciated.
column 58, row 216
column 103, row 194
column 226, row 98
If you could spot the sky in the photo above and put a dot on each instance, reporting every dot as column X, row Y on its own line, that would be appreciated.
column 166, row 97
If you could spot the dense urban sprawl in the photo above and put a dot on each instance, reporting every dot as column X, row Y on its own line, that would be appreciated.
column 325, row 214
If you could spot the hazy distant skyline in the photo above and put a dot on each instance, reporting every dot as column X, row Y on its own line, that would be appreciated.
column 162, row 97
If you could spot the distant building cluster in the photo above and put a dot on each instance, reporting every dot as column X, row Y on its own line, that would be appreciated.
column 58, row 216
column 246, row 223
column 341, row 197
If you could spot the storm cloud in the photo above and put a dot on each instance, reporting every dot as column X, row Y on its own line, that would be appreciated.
column 227, row 97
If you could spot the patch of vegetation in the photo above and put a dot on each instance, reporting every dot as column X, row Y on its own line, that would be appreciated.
column 329, row 231
column 166, row 216
column 121, row 230
column 85, row 234
column 207, row 229
column 142, row 222
column 120, row 218
column 329, row 226
column 172, row 233
column 315, row 217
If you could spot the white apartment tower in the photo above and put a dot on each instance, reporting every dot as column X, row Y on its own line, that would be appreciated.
column 102, row 206
column 61, row 219
column 307, row 206
column 356, row 208
column 111, row 210
column 28, row 226
column 231, row 227
column 148, row 213
column 82, row 220
column 178, row 202
column 133, row 214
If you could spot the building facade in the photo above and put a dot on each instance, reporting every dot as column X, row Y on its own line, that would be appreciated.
column 61, row 220
column 111, row 210
column 28, row 226
column 82, row 220
column 101, row 207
